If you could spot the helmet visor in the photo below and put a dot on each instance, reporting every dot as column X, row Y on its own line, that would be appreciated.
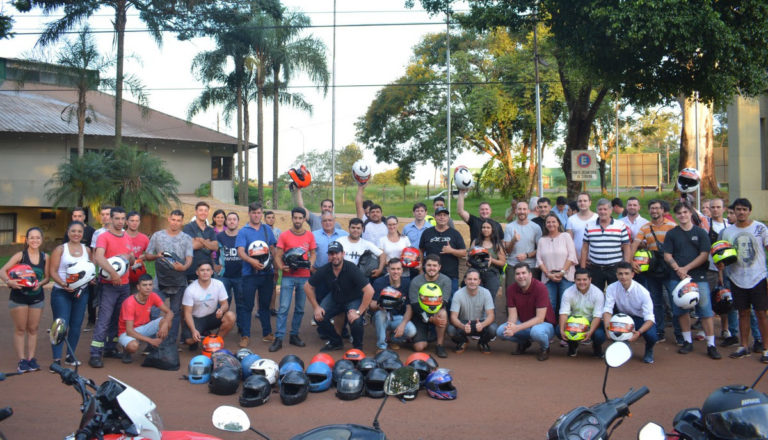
column 746, row 423
column 431, row 300
column 621, row 327
column 199, row 370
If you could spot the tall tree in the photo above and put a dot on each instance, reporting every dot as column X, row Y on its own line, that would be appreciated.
column 140, row 182
column 80, row 181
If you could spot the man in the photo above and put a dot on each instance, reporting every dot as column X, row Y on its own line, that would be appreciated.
column 373, row 225
column 438, row 320
column 256, row 277
column 439, row 202
column 561, row 209
column 472, row 314
column 543, row 207
column 325, row 235
column 94, row 299
column 392, row 319
column 473, row 221
column 79, row 215
column 606, row 243
column 583, row 299
column 293, row 279
column 447, row 242
column 355, row 246
column 414, row 229
column 203, row 238
column 629, row 297
column 729, row 322
column 350, row 293
column 530, row 317
column 135, row 324
column 314, row 220
column 618, row 207
column 520, row 240
column 269, row 219
column 686, row 249
column 205, row 307
column 748, row 275
column 632, row 220
column 228, row 257
column 577, row 223
column 114, row 242
column 139, row 241
column 651, row 237
column 105, row 212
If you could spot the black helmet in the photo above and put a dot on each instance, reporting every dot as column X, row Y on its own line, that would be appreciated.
column 366, row 364
column 224, row 380
column 736, row 412
column 374, row 382
column 421, row 367
column 296, row 258
column 392, row 299
column 386, row 354
column 340, row 367
column 256, row 391
column 368, row 263
column 291, row 358
column 391, row 365
column 294, row 388
column 350, row 385
column 722, row 300
column 478, row 258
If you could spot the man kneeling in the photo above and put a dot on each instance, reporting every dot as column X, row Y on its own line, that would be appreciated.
column 205, row 307
column 472, row 314
column 135, row 324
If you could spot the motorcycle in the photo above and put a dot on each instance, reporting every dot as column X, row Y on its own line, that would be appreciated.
column 114, row 409
column 597, row 421
column 401, row 382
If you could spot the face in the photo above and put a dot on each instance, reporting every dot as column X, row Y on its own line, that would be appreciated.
column 328, row 223
column 204, row 272
column 618, row 209
column 523, row 277
column 438, row 203
column 582, row 282
column 544, row 209
column 716, row 209
column 118, row 221
column 104, row 214
column 633, row 207
column 552, row 225
column 145, row 287
column 255, row 216
column 484, row 210
column 392, row 225
column 201, row 213
column 731, row 216
column 327, row 205
column 584, row 202
column 742, row 213
column 356, row 230
column 298, row 220
column 419, row 213
column 375, row 215
column 336, row 258
column 522, row 211
column 604, row 211
column 219, row 219
column 625, row 276
column 705, row 209
column 431, row 268
column 269, row 219
column 75, row 233
column 486, row 230
column 472, row 280
column 683, row 216
column 442, row 219
column 78, row 216
column 174, row 222
column 395, row 271
column 133, row 222
column 655, row 211
column 232, row 222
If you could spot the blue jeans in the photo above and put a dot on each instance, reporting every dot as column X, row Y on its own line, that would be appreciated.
column 650, row 336
column 598, row 337
column 655, row 287
column 332, row 308
column 233, row 286
column 289, row 285
column 704, row 306
column 244, row 303
column 105, row 330
column 385, row 321
column 556, row 292
column 72, row 310
column 541, row 333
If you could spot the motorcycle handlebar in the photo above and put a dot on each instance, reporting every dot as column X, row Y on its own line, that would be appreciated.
column 634, row 395
column 68, row 376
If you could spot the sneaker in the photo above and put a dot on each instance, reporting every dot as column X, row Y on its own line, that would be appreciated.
column 686, row 348
column 394, row 346
column 269, row 338
column 273, row 312
column 244, row 341
column 460, row 347
column 330, row 346
column 96, row 362
column 440, row 351
column 484, row 348
column 193, row 347
column 72, row 361
column 127, row 358
column 296, row 340
column 679, row 340
column 740, row 353
column 648, row 356
column 757, row 347
column 572, row 350
column 712, row 352
column 729, row 341
column 33, row 366
column 277, row 344
column 88, row 327
column 23, row 366
column 563, row 343
column 521, row 347
column 764, row 357
column 543, row 354
column 597, row 352
column 112, row 353
column 56, row 362
column 313, row 323
column 661, row 338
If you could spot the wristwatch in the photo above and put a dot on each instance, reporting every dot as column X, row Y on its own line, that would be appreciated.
column 357, row 311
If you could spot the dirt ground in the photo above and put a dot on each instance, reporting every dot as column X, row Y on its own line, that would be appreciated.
column 499, row 395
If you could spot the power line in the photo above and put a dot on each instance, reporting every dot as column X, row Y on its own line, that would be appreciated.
column 391, row 11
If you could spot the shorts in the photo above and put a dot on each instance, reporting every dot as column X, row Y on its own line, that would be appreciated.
column 422, row 330
column 149, row 330
column 13, row 304
column 756, row 296
column 202, row 325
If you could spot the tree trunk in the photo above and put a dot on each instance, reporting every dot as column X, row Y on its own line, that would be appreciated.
column 601, row 169
column 581, row 116
column 275, row 131
column 706, row 162
column 81, row 109
column 120, row 19
column 260, row 128
column 242, row 196
column 247, row 145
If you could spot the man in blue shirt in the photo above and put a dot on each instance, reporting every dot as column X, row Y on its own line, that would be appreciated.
column 328, row 233
column 414, row 229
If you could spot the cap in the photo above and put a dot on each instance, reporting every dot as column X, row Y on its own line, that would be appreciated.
column 441, row 209
column 334, row 247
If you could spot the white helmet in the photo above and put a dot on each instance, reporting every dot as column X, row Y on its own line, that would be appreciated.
column 686, row 294
column 118, row 263
column 259, row 250
column 688, row 180
column 267, row 368
column 620, row 327
column 80, row 273
column 462, row 177
column 361, row 172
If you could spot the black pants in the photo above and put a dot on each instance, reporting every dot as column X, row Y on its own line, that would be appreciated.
column 458, row 335
column 601, row 275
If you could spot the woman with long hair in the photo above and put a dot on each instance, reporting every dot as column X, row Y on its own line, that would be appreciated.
column 556, row 257
column 498, row 258
column 394, row 242
column 219, row 218
column 26, row 303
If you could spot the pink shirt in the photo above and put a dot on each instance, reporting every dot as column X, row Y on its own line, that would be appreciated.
column 554, row 252
column 115, row 245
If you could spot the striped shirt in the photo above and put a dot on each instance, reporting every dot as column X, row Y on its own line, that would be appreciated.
column 645, row 235
column 605, row 243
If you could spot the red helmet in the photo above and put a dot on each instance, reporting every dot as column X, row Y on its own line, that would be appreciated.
column 410, row 257
column 212, row 344
column 137, row 270
column 354, row 355
column 420, row 355
column 301, row 177
column 23, row 275
column 324, row 358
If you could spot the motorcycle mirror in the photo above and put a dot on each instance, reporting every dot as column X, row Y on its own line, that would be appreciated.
column 229, row 418
column 401, row 381
column 617, row 354
column 651, row 431
column 58, row 331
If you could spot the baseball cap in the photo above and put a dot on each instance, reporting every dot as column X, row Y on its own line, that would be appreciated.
column 441, row 209
column 334, row 247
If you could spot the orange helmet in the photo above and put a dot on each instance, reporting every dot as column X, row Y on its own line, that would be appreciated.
column 136, row 271
column 354, row 355
column 420, row 355
column 211, row 344
column 324, row 358
column 410, row 257
column 24, row 275
column 301, row 177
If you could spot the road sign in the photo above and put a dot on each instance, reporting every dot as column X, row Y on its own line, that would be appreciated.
column 583, row 165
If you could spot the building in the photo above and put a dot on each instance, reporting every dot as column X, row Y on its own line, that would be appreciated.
column 748, row 152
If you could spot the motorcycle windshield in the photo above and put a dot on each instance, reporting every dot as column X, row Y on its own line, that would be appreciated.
column 746, row 423
column 88, row 413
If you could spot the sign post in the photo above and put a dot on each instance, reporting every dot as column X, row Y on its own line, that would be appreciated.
column 584, row 165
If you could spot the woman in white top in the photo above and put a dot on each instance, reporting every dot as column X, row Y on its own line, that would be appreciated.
column 67, row 303
column 556, row 257
column 394, row 242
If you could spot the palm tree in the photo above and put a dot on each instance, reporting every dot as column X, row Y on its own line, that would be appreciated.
column 140, row 182
column 81, row 181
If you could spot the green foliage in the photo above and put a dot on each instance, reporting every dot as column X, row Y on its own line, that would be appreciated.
column 81, row 181
column 344, row 161
column 204, row 190
column 388, row 177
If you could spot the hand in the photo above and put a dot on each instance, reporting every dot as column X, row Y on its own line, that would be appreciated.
column 447, row 249
column 155, row 342
column 467, row 328
column 375, row 273
column 517, row 236
column 217, row 268
column 196, row 335
column 720, row 266
column 219, row 313
column 352, row 315
column 555, row 276
column 319, row 314
column 68, row 289
column 162, row 332
column 682, row 274
column 510, row 329
column 115, row 279
column 13, row 284
column 438, row 321
column 479, row 326
column 178, row 266
column 256, row 264
column 635, row 267
column 635, row 335
column 399, row 330
column 521, row 257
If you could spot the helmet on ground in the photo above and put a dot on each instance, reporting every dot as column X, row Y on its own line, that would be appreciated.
column 301, row 177
column 349, row 386
column 432, row 362
column 722, row 300
column 422, row 368
column 430, row 219
column 294, row 388
column 688, row 180
column 242, row 353
column 324, row 358
column 136, row 271
column 576, row 328
column 267, row 368
column 462, row 177
column 199, row 369
column 259, row 250
column 439, row 385
column 723, row 252
column 374, row 382
column 225, row 378
column 256, row 391
column 430, row 298
column 361, row 172
column 296, row 258
column 288, row 367
column 80, row 273
column 385, row 354
column 368, row 263
column 391, row 298
column 291, row 358
column 410, row 257
column 341, row 366
column 736, row 412
column 354, row 355
column 117, row 263
column 366, row 364
column 320, row 376
column 620, row 327
column 247, row 363
column 391, row 364
column 212, row 344
column 643, row 258
column 686, row 294
column 478, row 257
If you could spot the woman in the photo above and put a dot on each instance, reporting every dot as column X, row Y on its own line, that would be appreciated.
column 66, row 303
column 27, row 304
column 556, row 257
column 498, row 258
column 219, row 218
column 394, row 242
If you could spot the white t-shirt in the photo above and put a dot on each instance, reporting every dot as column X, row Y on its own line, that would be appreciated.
column 204, row 301
column 353, row 251
column 633, row 226
column 750, row 244
column 588, row 305
column 374, row 231
column 393, row 249
column 578, row 226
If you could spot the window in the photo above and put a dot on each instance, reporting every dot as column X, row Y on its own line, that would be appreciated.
column 222, row 168
column 7, row 228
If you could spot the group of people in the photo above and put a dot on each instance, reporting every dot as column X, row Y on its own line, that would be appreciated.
column 550, row 263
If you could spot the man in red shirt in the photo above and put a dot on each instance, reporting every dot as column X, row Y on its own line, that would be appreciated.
column 135, row 325
column 139, row 243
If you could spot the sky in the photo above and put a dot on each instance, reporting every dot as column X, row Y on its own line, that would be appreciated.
column 367, row 58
